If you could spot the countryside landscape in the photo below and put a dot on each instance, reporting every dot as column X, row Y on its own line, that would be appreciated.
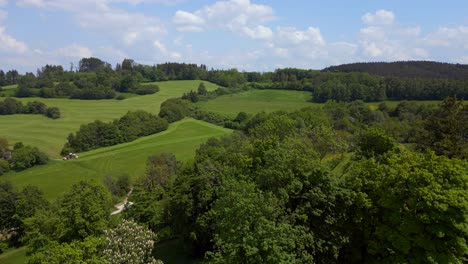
column 317, row 157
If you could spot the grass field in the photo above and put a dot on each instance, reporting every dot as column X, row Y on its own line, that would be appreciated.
column 254, row 101
column 55, row 178
column 50, row 135
column 14, row 256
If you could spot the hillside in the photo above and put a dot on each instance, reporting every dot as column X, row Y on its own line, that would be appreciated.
column 181, row 139
column 50, row 135
column 407, row 69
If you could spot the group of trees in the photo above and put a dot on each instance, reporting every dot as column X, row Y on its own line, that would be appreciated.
column 96, row 79
column 273, row 193
column 9, row 78
column 20, row 157
column 10, row 106
column 101, row 134
column 75, row 228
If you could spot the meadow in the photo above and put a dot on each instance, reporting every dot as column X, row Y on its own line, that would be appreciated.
column 49, row 135
column 182, row 139
column 254, row 101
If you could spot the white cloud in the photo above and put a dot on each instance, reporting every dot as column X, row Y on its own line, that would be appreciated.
column 74, row 51
column 449, row 37
column 237, row 16
column 99, row 16
column 381, row 17
column 291, row 35
column 3, row 2
column 10, row 44
column 165, row 52
column 258, row 32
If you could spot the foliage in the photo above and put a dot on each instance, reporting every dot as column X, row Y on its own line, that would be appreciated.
column 26, row 157
column 84, row 210
column 11, row 106
column 129, row 243
column 76, row 252
column 118, row 187
column 446, row 130
column 374, row 142
column 409, row 208
column 128, row 128
column 174, row 109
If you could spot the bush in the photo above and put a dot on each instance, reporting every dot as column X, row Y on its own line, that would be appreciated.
column 26, row 157
column 53, row 112
column 147, row 89
column 4, row 166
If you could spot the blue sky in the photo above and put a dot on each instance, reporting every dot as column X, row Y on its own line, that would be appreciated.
column 245, row 34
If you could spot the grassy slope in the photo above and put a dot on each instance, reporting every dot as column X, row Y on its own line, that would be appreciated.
column 14, row 256
column 181, row 139
column 254, row 101
column 50, row 135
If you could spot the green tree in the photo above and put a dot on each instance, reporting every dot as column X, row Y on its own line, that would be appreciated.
column 202, row 89
column 85, row 210
column 409, row 208
column 373, row 142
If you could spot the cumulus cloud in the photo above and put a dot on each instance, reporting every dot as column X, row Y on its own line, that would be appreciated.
column 99, row 16
column 166, row 53
column 291, row 35
column 449, row 37
column 380, row 17
column 74, row 51
column 237, row 16
column 10, row 44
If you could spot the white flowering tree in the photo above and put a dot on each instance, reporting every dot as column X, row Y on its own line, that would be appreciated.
column 129, row 243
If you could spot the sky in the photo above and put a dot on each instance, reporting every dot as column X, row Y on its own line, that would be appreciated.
column 250, row 35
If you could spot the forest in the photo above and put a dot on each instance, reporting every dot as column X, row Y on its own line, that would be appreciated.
column 371, row 82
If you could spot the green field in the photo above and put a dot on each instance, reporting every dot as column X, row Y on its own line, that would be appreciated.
column 254, row 101
column 14, row 256
column 55, row 178
column 50, row 135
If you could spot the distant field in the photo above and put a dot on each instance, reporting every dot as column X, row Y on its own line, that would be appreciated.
column 254, row 101
column 50, row 135
column 181, row 139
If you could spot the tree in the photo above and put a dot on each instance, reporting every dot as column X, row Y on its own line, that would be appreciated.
column 202, row 89
column 85, row 210
column 53, row 112
column 76, row 252
column 374, row 142
column 129, row 243
column 408, row 208
column 446, row 130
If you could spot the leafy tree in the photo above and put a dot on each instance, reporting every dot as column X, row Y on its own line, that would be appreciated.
column 409, row 208
column 76, row 252
column 85, row 210
column 53, row 112
column 446, row 130
column 374, row 142
column 129, row 243
column 202, row 89
column 26, row 157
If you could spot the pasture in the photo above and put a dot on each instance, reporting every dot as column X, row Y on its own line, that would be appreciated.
column 254, row 101
column 50, row 135
column 182, row 139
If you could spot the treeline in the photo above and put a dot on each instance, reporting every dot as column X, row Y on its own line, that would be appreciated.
column 10, row 106
column 96, row 79
column 9, row 78
column 407, row 69
column 20, row 157
column 319, row 185
column 101, row 134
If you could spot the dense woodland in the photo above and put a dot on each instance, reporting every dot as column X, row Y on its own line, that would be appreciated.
column 96, row 79
column 342, row 182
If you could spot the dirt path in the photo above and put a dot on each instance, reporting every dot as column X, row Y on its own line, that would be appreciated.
column 121, row 206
